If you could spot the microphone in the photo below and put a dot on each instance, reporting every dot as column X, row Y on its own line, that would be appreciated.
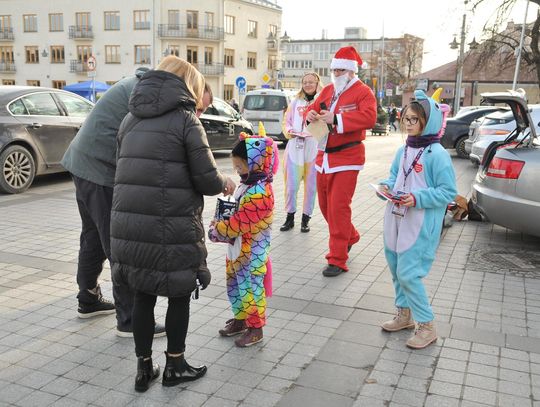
column 324, row 107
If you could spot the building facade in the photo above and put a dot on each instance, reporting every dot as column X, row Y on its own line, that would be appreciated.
column 51, row 43
column 388, row 62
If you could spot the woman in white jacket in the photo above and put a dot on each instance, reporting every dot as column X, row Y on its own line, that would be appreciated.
column 300, row 153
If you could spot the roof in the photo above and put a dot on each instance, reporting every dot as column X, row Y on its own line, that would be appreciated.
column 13, row 91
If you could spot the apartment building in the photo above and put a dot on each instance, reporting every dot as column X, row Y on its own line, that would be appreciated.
column 50, row 43
column 387, row 64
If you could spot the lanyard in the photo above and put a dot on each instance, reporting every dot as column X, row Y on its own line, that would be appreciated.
column 415, row 161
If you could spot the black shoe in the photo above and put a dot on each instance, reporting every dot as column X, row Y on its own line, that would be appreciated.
column 91, row 304
column 332, row 271
column 289, row 223
column 159, row 331
column 146, row 372
column 177, row 371
column 305, row 223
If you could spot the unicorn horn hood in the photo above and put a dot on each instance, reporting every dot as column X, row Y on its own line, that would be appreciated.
column 262, row 152
column 434, row 113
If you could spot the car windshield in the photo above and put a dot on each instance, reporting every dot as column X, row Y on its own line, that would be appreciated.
column 272, row 103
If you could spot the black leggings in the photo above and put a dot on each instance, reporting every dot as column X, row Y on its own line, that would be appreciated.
column 176, row 323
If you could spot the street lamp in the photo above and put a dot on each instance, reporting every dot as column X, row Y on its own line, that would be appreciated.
column 459, row 65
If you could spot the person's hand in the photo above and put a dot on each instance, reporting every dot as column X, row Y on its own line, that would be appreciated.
column 327, row 116
column 312, row 116
column 204, row 278
column 229, row 187
column 407, row 200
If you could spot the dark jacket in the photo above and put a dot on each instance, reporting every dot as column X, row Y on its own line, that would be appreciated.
column 92, row 153
column 164, row 167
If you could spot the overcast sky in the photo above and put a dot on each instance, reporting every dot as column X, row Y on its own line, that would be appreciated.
column 437, row 21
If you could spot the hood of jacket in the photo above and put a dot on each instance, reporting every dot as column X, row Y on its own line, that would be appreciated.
column 159, row 92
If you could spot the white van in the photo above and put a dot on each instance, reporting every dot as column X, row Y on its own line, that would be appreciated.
column 267, row 106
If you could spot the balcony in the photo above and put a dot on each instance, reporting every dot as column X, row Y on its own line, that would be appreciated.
column 7, row 67
column 182, row 31
column 210, row 69
column 80, row 32
column 6, row 34
column 77, row 66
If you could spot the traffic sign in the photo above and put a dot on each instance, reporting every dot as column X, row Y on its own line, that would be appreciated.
column 241, row 82
column 380, row 94
column 242, row 91
column 91, row 63
column 388, row 92
column 266, row 78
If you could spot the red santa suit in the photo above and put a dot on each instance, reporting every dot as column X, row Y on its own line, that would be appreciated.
column 340, row 159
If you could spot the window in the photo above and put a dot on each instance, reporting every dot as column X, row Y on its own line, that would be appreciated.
column 142, row 54
column 112, row 20
column 252, row 60
column 75, row 107
column 30, row 22
column 32, row 54
column 33, row 82
column 192, row 20
column 272, row 62
column 322, row 71
column 56, row 22
column 252, row 29
column 5, row 24
column 174, row 50
column 8, row 81
column 228, row 92
column 82, row 20
column 40, row 104
column 272, row 103
column 174, row 19
column 229, row 25
column 83, row 53
column 209, row 20
column 141, row 20
column 112, row 54
column 229, row 57
column 208, row 56
column 221, row 108
column 272, row 29
column 192, row 54
column 58, row 84
column 6, row 55
column 57, row 54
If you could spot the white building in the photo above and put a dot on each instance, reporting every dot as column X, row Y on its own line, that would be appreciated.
column 49, row 43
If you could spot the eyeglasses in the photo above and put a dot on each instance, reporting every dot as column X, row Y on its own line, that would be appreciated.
column 411, row 120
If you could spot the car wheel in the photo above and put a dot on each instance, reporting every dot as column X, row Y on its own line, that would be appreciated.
column 460, row 147
column 17, row 170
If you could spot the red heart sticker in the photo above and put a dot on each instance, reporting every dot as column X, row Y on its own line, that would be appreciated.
column 418, row 167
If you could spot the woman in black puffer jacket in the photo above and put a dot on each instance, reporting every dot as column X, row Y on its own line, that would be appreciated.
column 164, row 167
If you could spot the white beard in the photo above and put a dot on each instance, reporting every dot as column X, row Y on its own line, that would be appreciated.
column 340, row 82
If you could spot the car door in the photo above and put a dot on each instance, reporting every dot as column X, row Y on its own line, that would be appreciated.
column 215, row 126
column 50, row 129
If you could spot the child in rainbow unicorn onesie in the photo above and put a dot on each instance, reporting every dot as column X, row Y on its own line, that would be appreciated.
column 300, row 153
column 247, row 232
column 421, row 184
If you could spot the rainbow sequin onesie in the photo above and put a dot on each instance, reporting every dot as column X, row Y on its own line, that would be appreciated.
column 249, row 233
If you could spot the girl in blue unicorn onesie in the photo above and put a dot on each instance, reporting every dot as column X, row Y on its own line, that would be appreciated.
column 422, row 182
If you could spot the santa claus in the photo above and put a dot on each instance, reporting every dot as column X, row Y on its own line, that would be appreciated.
column 348, row 106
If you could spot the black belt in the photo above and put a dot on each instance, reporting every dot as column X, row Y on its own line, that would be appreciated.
column 341, row 147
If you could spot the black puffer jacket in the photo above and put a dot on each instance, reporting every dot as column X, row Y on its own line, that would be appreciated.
column 164, row 167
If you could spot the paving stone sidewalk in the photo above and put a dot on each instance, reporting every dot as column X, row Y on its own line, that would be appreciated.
column 323, row 345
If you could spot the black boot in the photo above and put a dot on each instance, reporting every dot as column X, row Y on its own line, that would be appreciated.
column 305, row 223
column 146, row 372
column 289, row 223
column 178, row 371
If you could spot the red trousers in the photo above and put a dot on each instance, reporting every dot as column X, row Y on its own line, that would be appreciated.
column 335, row 192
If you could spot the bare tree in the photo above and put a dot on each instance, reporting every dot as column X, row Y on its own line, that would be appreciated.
column 403, row 66
column 501, row 44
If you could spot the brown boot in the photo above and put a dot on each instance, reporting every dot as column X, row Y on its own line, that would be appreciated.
column 424, row 335
column 233, row 327
column 250, row 337
column 402, row 320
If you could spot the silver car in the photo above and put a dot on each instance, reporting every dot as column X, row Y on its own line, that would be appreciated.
column 505, row 190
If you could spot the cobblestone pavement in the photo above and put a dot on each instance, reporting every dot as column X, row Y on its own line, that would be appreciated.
column 323, row 345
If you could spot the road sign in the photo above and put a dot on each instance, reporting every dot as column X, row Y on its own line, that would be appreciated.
column 91, row 63
column 266, row 78
column 242, row 91
column 91, row 74
column 388, row 92
column 380, row 94
column 241, row 82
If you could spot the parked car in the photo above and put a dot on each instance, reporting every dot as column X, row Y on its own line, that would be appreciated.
column 267, row 106
column 505, row 191
column 36, row 126
column 223, row 125
column 496, row 127
column 457, row 128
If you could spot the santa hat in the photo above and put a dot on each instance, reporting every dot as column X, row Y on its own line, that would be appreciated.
column 346, row 58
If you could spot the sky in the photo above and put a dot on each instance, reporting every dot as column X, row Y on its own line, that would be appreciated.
column 437, row 21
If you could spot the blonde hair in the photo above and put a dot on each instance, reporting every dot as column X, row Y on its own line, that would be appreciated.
column 194, row 80
column 302, row 94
